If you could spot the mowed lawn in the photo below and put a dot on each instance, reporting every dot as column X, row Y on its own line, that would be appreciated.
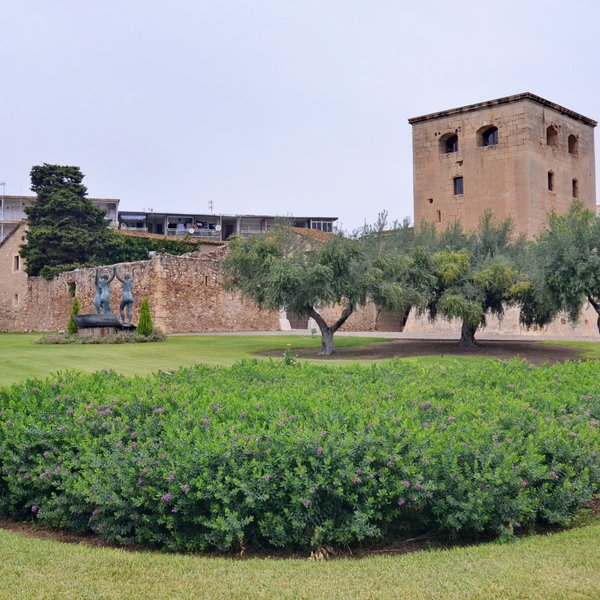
column 21, row 358
column 562, row 565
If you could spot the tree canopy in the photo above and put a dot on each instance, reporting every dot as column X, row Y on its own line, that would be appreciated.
column 285, row 270
column 66, row 230
column 476, row 273
column 567, row 262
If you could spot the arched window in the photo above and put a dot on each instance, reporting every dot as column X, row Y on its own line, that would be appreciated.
column 550, row 181
column 573, row 145
column 552, row 136
column 449, row 143
column 489, row 137
column 575, row 188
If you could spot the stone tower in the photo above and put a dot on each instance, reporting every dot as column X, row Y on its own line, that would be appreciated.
column 521, row 156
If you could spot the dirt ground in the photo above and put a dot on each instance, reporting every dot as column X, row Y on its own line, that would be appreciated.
column 536, row 353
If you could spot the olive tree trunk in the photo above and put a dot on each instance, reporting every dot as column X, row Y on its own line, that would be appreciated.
column 328, row 331
column 596, row 307
column 467, row 335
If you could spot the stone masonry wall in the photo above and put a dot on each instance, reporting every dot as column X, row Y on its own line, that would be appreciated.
column 185, row 294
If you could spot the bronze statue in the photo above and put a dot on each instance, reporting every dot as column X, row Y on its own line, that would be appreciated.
column 102, row 298
column 126, row 298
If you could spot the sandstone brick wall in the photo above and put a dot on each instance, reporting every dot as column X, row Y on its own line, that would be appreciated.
column 508, row 325
column 362, row 319
column 13, row 278
column 185, row 294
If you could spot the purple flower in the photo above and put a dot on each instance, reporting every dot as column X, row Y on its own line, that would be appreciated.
column 356, row 479
column 159, row 411
column 166, row 498
column 185, row 488
column 206, row 422
column 70, row 413
column 133, row 435
column 174, row 510
column 554, row 474
column 35, row 509
column 214, row 407
column 94, row 512
column 525, row 483
column 406, row 483
column 451, row 419
column 419, row 486
column 171, row 476
column 307, row 502
column 319, row 451
column 426, row 404
column 267, row 477
column 401, row 501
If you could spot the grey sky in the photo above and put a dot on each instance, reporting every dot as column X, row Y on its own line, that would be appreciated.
column 269, row 107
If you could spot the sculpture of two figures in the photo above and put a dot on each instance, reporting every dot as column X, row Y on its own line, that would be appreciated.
column 102, row 298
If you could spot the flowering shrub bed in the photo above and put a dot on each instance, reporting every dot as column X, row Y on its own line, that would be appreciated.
column 268, row 455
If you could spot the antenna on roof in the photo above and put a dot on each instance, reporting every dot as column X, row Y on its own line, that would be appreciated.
column 211, row 206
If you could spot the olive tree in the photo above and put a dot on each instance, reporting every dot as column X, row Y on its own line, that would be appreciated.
column 300, row 274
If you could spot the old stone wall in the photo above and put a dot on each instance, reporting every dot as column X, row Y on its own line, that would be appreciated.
column 185, row 294
column 13, row 278
column 509, row 325
column 362, row 319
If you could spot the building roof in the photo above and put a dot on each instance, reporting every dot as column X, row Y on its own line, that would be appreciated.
column 506, row 100
column 19, row 227
column 142, row 213
column 160, row 236
column 316, row 234
column 32, row 198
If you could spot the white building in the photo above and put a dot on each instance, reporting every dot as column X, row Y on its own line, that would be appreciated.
column 12, row 211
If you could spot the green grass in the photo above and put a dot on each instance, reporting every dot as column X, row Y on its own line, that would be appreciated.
column 587, row 350
column 20, row 358
column 563, row 565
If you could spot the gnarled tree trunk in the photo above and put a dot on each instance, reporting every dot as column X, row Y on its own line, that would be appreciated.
column 327, row 332
column 596, row 307
column 467, row 335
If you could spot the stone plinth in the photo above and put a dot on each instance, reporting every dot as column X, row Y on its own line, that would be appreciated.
column 92, row 325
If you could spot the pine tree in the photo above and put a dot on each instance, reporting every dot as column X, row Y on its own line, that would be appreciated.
column 66, row 230
column 72, row 326
column 145, row 326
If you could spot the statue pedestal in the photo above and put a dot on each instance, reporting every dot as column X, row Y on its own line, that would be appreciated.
column 92, row 325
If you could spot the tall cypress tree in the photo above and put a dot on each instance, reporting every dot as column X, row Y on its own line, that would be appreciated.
column 66, row 230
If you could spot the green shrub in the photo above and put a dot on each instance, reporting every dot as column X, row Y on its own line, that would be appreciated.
column 72, row 328
column 261, row 455
column 145, row 326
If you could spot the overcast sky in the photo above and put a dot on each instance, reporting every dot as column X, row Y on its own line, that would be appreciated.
column 288, row 107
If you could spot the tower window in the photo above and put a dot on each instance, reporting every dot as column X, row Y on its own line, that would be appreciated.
column 459, row 186
column 550, row 181
column 439, row 216
column 575, row 188
column 573, row 145
column 552, row 136
column 489, row 137
column 449, row 143
column 16, row 263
